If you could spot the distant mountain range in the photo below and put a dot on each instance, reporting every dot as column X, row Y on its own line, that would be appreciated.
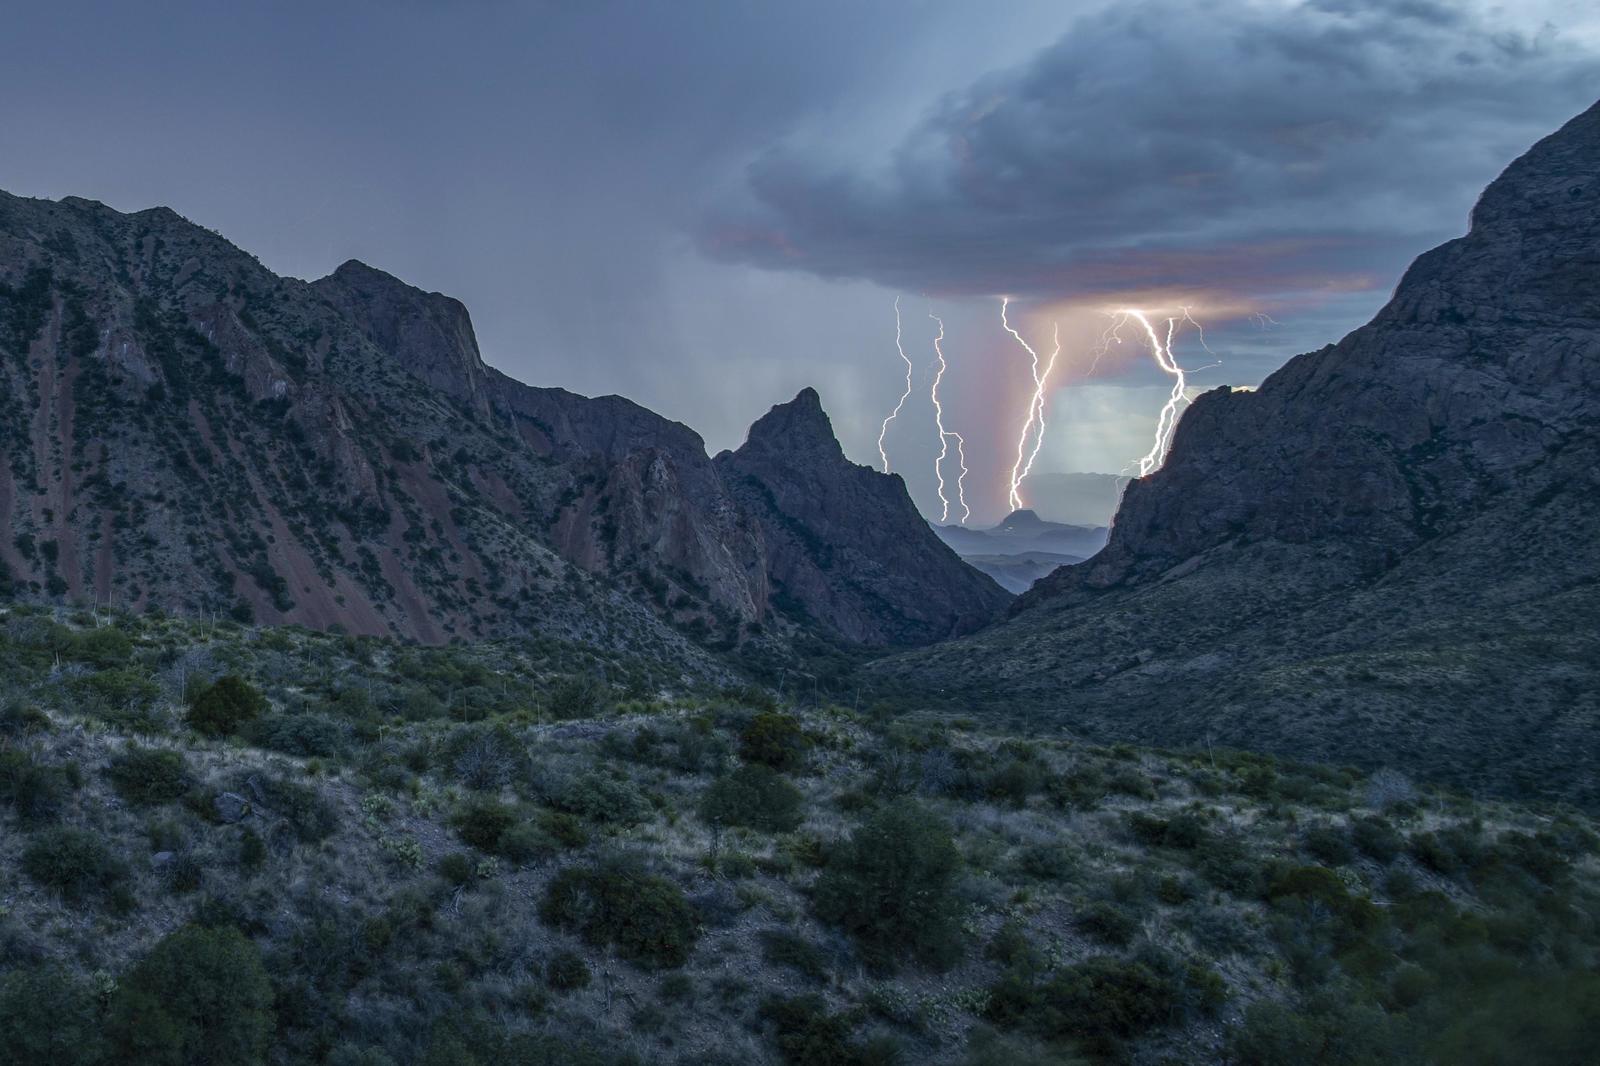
column 1023, row 547
column 182, row 428
column 1388, row 554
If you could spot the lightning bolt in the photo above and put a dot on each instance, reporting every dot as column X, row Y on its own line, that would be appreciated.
column 1025, row 458
column 1161, row 349
column 884, row 432
column 945, row 436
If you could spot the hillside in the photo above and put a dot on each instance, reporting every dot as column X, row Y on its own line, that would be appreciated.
column 182, row 428
column 229, row 844
column 1386, row 554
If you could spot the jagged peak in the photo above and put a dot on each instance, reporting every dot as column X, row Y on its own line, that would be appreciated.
column 799, row 426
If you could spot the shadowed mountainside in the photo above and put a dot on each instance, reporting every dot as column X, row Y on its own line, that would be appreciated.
column 1386, row 554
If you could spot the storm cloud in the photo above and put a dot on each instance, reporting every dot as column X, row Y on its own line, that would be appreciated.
column 1229, row 146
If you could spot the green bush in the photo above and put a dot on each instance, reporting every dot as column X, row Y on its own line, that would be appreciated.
column 616, row 902
column 891, row 887
column 1107, row 922
column 102, row 648
column 34, row 791
column 756, row 797
column 312, row 817
column 774, row 739
column 148, row 776
column 781, row 947
column 601, row 797
column 1375, row 838
column 76, row 863
column 1328, row 845
column 48, row 1018
column 567, row 971
column 806, row 1034
column 223, row 708
column 200, row 997
column 482, row 821
column 304, row 735
column 579, row 697
column 1098, row 1002
column 1319, row 884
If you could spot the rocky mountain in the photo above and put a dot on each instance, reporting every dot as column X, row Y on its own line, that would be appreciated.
column 844, row 542
column 1389, row 553
column 182, row 428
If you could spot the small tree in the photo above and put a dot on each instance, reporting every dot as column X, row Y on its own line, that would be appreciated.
column 222, row 708
column 774, row 739
column 201, row 996
column 891, row 886
column 755, row 796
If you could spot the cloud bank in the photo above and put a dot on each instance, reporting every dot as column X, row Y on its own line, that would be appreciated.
column 1223, row 147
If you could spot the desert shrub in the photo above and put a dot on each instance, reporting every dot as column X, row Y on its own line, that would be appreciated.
column 1329, row 1032
column 252, row 850
column 1320, row 885
column 985, row 1047
column 1387, row 789
column 124, row 696
column 600, row 797
column 458, row 868
column 19, row 719
column 578, row 697
column 103, row 648
column 1107, row 922
column 1375, row 838
column 1048, row 862
column 1018, row 776
column 1184, row 831
column 200, row 996
column 1328, row 845
column 76, row 863
column 34, row 791
column 891, row 887
column 1098, row 1002
column 147, row 776
column 485, row 758
column 644, row 916
column 807, row 1034
column 782, row 947
column 1545, row 1017
column 774, row 739
column 307, row 735
column 482, row 821
column 223, row 707
column 566, row 971
column 1448, row 851
column 48, row 1018
column 754, row 796
column 311, row 816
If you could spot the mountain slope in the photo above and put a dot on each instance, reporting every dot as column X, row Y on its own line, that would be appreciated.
column 1389, row 552
column 181, row 428
column 845, row 543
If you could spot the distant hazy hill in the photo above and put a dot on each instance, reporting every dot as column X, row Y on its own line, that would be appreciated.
column 1388, row 553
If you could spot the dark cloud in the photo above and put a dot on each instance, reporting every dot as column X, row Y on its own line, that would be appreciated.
column 1216, row 146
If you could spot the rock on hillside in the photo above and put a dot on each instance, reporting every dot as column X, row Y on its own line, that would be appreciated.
column 845, row 544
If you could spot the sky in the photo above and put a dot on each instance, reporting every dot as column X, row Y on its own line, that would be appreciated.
column 706, row 206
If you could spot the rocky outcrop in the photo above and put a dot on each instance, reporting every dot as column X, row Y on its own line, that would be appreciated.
column 1386, row 554
column 846, row 547
column 643, row 492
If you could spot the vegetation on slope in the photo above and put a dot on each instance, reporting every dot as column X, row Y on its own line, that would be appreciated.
column 369, row 853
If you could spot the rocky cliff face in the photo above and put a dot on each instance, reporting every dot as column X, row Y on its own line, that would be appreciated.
column 1386, row 553
column 643, row 500
column 845, row 544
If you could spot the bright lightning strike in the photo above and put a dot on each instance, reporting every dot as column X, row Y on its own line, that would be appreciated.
column 884, row 432
column 945, row 436
column 1161, row 349
column 1025, row 458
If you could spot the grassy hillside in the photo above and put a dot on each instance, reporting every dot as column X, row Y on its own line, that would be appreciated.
column 229, row 844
